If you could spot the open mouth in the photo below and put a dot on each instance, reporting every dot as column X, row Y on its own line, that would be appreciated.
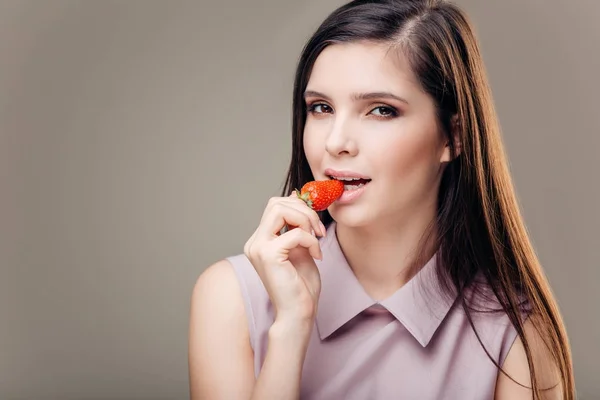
column 352, row 183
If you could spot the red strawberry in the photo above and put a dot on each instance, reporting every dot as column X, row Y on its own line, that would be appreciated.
column 321, row 194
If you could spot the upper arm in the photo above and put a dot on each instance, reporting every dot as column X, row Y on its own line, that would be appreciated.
column 517, row 367
column 220, row 355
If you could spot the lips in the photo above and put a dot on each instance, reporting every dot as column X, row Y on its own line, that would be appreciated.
column 345, row 175
column 352, row 192
column 352, row 180
column 353, row 184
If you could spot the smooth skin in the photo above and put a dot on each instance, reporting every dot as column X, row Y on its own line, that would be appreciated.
column 351, row 126
column 220, row 351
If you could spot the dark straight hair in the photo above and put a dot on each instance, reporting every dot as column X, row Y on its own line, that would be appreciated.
column 479, row 227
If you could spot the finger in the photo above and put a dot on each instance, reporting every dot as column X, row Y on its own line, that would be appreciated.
column 249, row 243
column 281, row 215
column 299, row 238
column 300, row 205
column 315, row 221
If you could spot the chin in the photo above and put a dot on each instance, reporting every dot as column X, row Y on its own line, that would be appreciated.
column 351, row 216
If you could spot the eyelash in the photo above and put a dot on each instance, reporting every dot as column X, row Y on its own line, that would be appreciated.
column 392, row 112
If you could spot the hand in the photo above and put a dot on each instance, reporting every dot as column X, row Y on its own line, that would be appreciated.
column 285, row 261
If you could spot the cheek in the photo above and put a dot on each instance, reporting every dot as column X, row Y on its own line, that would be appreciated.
column 313, row 149
column 411, row 158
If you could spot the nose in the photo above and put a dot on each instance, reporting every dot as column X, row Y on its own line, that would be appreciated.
column 340, row 140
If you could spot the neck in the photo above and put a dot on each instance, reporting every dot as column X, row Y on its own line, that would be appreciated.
column 384, row 256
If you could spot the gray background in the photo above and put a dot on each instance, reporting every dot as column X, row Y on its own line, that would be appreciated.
column 140, row 140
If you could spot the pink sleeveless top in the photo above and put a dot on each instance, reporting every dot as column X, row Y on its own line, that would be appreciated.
column 416, row 344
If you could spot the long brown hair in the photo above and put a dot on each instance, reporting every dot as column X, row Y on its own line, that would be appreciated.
column 479, row 227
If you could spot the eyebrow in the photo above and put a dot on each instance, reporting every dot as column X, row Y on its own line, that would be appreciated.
column 359, row 96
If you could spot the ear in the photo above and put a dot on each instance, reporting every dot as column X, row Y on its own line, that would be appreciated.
column 455, row 135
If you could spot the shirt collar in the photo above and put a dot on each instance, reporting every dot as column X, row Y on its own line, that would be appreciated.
column 419, row 305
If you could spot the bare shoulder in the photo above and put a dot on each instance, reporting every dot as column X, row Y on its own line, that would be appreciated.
column 217, row 294
column 219, row 279
column 517, row 367
column 219, row 348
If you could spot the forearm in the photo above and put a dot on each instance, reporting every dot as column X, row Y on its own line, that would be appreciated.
column 282, row 369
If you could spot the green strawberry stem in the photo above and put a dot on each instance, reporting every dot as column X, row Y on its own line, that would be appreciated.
column 304, row 197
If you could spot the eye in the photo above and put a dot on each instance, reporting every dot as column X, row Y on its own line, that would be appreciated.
column 385, row 112
column 319, row 108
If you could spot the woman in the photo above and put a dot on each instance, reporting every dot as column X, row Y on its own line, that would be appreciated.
column 420, row 282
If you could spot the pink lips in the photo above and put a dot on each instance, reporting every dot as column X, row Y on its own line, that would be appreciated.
column 349, row 195
column 345, row 174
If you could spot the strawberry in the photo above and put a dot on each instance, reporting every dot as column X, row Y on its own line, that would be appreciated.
column 321, row 194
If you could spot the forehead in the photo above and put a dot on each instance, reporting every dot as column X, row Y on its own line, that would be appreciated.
column 362, row 66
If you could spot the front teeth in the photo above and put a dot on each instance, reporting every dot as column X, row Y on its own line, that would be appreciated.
column 346, row 179
column 353, row 187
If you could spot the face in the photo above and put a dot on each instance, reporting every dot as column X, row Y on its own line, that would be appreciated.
column 369, row 118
